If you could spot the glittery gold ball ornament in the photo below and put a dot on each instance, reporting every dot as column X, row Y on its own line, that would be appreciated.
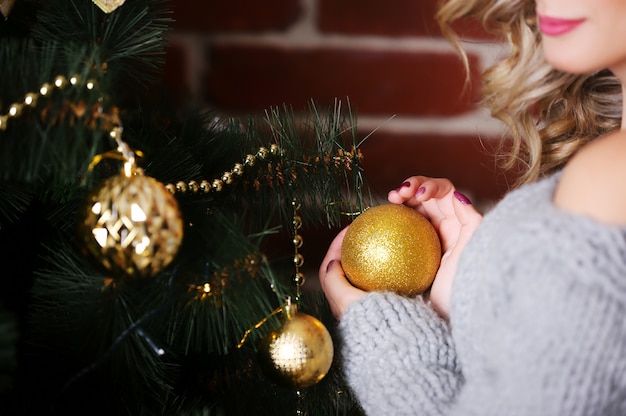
column 132, row 225
column 391, row 248
column 299, row 353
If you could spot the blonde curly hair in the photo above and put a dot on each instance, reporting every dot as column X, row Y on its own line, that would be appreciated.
column 550, row 114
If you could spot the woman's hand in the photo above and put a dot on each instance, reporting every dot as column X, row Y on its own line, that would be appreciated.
column 455, row 220
column 339, row 292
column 452, row 215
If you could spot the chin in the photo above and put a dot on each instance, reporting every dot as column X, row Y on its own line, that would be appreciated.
column 565, row 59
column 570, row 67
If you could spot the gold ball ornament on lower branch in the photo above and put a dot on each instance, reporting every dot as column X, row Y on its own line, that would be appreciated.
column 299, row 353
column 132, row 225
column 391, row 247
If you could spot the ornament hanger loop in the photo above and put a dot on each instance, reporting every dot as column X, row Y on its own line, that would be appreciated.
column 258, row 325
column 128, row 155
column 123, row 152
column 288, row 309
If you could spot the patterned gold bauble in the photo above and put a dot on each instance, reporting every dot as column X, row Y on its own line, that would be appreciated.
column 298, row 354
column 108, row 6
column 132, row 225
column 391, row 248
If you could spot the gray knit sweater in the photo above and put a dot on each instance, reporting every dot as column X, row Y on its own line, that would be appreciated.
column 537, row 324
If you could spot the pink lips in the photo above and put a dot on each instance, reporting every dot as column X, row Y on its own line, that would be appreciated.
column 553, row 26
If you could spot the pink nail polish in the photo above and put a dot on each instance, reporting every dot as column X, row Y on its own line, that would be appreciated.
column 462, row 198
column 405, row 184
column 330, row 263
column 420, row 191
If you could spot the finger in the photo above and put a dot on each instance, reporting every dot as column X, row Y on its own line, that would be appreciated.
column 431, row 197
column 333, row 253
column 338, row 290
column 467, row 215
column 436, row 210
column 434, row 188
column 405, row 192
column 464, row 210
column 334, row 281
column 417, row 190
column 437, row 200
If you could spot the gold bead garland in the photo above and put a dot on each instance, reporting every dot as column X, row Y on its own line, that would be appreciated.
column 298, row 241
column 227, row 178
column 341, row 158
column 31, row 98
column 299, row 279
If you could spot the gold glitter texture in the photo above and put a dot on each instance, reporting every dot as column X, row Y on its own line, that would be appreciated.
column 391, row 248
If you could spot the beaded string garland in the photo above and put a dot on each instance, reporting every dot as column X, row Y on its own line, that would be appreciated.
column 300, row 352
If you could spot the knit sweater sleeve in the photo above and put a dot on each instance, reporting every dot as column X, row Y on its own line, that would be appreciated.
column 399, row 357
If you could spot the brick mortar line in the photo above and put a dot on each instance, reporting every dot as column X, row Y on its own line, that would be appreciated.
column 475, row 122
column 312, row 40
column 195, row 44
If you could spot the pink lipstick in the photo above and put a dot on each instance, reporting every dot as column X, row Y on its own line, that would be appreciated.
column 553, row 26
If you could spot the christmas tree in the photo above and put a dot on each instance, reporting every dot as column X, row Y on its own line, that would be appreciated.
column 152, row 255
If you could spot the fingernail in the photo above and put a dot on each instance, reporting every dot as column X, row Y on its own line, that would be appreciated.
column 420, row 191
column 405, row 184
column 330, row 263
column 462, row 198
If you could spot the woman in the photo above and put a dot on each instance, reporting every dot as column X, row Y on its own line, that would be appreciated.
column 526, row 314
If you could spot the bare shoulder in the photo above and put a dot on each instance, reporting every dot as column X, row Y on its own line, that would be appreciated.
column 594, row 181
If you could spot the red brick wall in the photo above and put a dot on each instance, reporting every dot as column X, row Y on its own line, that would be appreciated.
column 389, row 59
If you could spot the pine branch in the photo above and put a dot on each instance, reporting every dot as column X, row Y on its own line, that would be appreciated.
column 317, row 163
column 236, row 181
column 55, row 138
column 228, row 276
column 126, row 44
